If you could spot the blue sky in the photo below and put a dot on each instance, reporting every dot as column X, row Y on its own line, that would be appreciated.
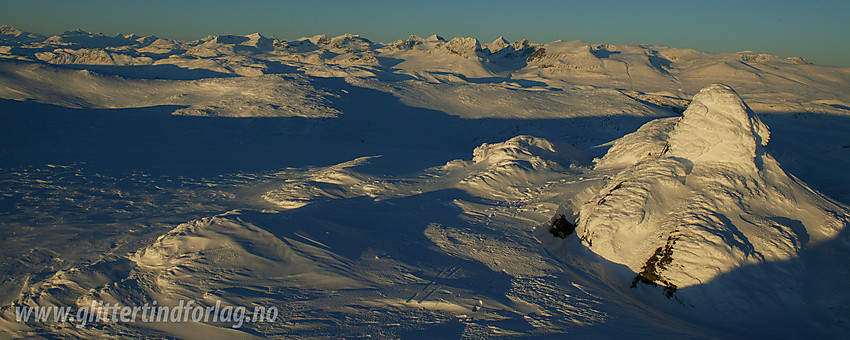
column 818, row 30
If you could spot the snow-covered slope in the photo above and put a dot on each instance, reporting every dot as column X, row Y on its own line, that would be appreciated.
column 693, row 199
column 264, row 96
column 404, row 189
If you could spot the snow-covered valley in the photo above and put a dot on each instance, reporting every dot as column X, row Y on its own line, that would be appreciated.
column 405, row 189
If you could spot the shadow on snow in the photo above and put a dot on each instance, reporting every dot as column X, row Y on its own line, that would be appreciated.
column 150, row 139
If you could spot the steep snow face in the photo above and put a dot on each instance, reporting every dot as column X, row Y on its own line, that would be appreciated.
column 497, row 45
column 464, row 47
column 718, row 127
column 694, row 199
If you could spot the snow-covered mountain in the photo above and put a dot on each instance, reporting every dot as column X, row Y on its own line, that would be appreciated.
column 654, row 72
column 405, row 189
column 692, row 199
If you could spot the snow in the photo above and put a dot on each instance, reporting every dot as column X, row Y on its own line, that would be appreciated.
column 717, row 202
column 404, row 189
column 718, row 127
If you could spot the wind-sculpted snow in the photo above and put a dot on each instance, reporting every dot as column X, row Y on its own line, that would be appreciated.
column 708, row 202
column 403, row 190
column 719, row 127
column 502, row 170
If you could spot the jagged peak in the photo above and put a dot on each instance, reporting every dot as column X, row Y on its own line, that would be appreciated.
column 463, row 46
column 411, row 41
column 350, row 43
column 501, row 41
column 497, row 45
column 465, row 40
column 522, row 44
column 18, row 35
column 319, row 39
column 435, row 37
column 11, row 30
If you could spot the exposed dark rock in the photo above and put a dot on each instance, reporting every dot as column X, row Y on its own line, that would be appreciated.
column 561, row 227
column 650, row 274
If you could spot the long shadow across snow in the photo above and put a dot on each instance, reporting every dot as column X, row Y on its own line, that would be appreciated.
column 395, row 229
column 815, row 148
column 372, row 123
column 805, row 296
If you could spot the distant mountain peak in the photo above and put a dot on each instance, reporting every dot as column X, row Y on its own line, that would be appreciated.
column 465, row 47
column 255, row 35
column 77, row 31
column 435, row 37
column 497, row 45
column 10, row 30
column 320, row 39
column 12, row 35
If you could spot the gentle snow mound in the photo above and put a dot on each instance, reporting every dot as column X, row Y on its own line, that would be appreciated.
column 499, row 170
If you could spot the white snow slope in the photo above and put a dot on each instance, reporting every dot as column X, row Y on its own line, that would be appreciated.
column 709, row 213
column 404, row 190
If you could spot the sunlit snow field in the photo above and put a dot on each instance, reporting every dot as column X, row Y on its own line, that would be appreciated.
column 405, row 189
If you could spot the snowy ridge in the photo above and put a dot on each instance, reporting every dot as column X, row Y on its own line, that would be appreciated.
column 650, row 71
